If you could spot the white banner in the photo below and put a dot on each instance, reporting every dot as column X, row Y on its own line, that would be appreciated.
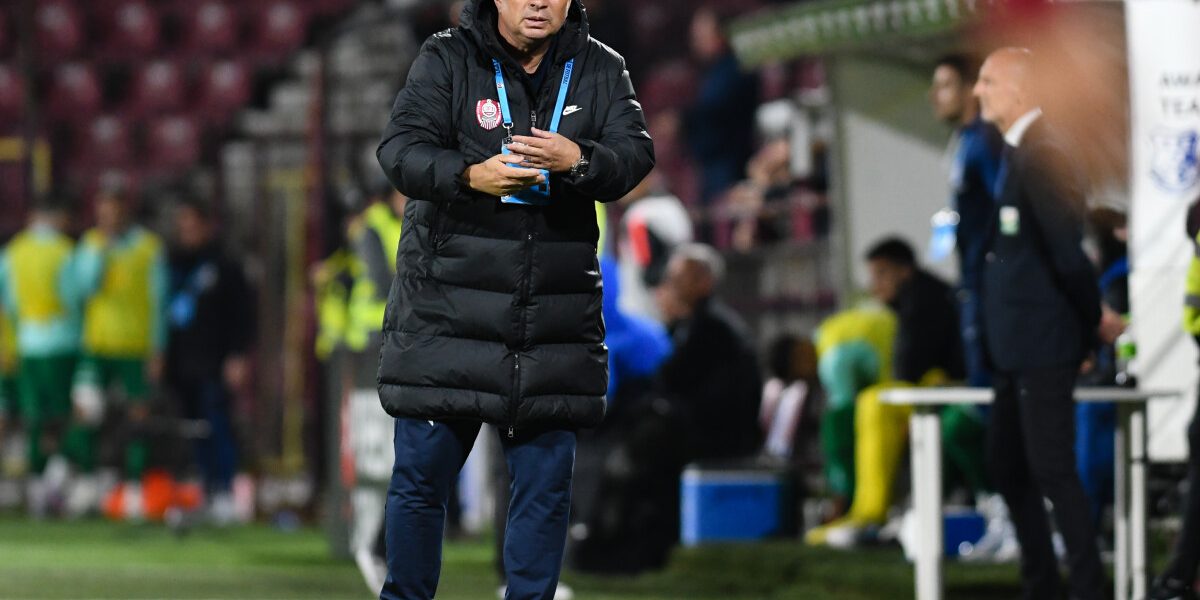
column 1164, row 75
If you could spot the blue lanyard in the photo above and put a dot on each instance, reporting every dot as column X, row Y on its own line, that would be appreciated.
column 506, row 114
column 540, row 194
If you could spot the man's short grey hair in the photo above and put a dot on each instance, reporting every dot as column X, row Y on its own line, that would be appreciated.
column 705, row 256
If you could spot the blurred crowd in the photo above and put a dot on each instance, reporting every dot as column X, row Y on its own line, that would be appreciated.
column 123, row 353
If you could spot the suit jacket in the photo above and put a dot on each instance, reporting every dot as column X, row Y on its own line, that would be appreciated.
column 1041, row 302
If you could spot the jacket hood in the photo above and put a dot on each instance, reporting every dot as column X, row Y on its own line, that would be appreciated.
column 479, row 20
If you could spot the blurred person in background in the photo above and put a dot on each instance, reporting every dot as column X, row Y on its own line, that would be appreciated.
column 790, row 399
column 122, row 272
column 854, row 353
column 759, row 205
column 42, row 300
column 497, row 311
column 1096, row 422
column 374, row 238
column 653, row 225
column 713, row 372
column 719, row 124
column 1178, row 579
column 1042, row 316
column 702, row 405
column 212, row 327
column 927, row 351
column 974, row 153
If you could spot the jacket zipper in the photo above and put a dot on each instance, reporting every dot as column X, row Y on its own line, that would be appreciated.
column 516, row 392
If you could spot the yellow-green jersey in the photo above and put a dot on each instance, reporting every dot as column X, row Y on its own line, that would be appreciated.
column 126, row 281
column 40, row 293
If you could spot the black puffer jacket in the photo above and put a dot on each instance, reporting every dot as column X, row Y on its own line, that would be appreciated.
column 495, row 310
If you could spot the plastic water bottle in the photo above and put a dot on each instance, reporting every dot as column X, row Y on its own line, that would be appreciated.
column 1126, row 356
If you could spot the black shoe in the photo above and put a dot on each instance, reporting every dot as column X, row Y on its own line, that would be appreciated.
column 1170, row 588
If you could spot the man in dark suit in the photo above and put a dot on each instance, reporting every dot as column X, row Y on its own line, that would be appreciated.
column 1041, row 312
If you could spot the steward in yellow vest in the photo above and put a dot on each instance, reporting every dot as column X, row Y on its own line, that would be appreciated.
column 374, row 239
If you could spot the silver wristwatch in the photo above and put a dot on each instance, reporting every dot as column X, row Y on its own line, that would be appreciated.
column 580, row 167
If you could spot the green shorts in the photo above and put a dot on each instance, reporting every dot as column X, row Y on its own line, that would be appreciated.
column 44, row 387
column 8, row 396
column 128, row 375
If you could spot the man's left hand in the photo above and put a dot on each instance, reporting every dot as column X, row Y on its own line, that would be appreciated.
column 545, row 150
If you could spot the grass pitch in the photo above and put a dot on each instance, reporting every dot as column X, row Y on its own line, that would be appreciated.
column 100, row 560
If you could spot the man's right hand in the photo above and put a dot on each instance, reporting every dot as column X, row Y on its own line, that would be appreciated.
column 497, row 177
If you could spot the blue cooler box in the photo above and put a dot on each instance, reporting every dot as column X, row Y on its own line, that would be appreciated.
column 724, row 504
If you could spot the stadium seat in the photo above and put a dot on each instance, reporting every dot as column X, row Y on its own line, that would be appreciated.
column 133, row 29
column 7, row 35
column 74, row 94
column 330, row 7
column 280, row 27
column 12, row 95
column 60, row 30
column 210, row 27
column 223, row 89
column 104, row 142
column 158, row 87
column 172, row 142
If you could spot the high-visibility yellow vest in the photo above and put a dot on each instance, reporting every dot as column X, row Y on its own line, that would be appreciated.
column 368, row 304
column 36, row 261
column 387, row 226
column 119, row 317
column 1191, row 306
column 332, row 297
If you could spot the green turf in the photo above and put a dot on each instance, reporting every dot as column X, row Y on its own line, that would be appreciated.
column 104, row 560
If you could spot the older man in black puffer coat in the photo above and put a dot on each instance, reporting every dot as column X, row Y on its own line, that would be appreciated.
column 506, row 132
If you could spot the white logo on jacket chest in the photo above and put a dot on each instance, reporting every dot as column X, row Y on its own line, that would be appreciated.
column 488, row 113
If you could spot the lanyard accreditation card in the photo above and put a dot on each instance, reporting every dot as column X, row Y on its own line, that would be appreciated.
column 538, row 195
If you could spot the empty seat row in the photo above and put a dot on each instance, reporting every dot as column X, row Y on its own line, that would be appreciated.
column 128, row 29
column 75, row 91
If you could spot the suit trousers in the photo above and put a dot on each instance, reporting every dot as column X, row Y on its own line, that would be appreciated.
column 429, row 455
column 1031, row 456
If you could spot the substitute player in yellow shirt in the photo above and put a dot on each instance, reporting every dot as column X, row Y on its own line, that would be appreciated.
column 122, row 269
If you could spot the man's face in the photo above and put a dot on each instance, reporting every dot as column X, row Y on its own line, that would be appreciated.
column 58, row 219
column 706, row 39
column 531, row 21
column 886, row 277
column 192, row 228
column 948, row 95
column 110, row 213
column 1000, row 100
column 687, row 282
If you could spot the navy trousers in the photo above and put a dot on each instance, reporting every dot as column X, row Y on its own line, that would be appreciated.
column 429, row 456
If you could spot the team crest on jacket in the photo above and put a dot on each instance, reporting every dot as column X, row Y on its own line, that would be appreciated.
column 488, row 113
